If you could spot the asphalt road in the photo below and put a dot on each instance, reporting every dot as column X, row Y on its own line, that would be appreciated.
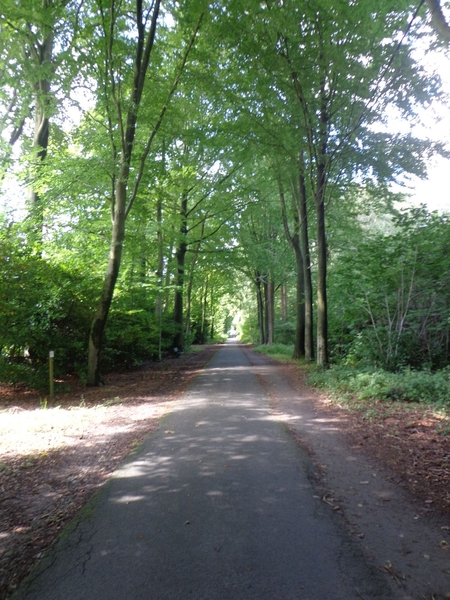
column 217, row 505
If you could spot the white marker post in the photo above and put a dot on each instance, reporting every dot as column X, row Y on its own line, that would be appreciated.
column 50, row 370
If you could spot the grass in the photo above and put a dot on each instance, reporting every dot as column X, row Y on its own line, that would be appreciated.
column 281, row 352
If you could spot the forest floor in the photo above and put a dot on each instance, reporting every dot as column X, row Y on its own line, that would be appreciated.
column 54, row 455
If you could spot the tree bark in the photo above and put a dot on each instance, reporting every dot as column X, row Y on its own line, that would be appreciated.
column 284, row 302
column 294, row 241
column 306, row 258
column 41, row 55
column 260, row 303
column 112, row 272
column 299, row 342
column 322, row 308
column 270, row 311
column 159, row 275
column 204, row 310
column 322, row 313
column 212, row 332
column 179, row 283
column 438, row 20
column 191, row 278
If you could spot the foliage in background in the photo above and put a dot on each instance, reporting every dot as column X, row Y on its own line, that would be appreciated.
column 270, row 94
column 391, row 295
column 43, row 306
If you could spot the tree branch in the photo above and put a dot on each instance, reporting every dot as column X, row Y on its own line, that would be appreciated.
column 161, row 116
column 438, row 20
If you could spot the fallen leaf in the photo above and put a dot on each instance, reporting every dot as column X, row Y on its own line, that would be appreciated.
column 169, row 431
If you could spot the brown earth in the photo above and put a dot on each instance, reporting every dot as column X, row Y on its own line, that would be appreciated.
column 54, row 456
column 411, row 440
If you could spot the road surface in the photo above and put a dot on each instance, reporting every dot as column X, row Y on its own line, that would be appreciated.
column 218, row 504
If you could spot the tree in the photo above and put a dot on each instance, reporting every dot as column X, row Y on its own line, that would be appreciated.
column 299, row 241
column 29, row 34
column 124, row 92
column 394, row 293
column 208, row 148
column 329, row 82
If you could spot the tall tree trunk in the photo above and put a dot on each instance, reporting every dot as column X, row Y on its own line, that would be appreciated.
column 266, row 313
column 204, row 311
column 169, row 277
column 112, row 272
column 160, row 246
column 299, row 342
column 187, row 329
column 260, row 303
column 159, row 275
column 191, row 280
column 179, row 283
column 284, row 302
column 294, row 241
column 322, row 308
column 438, row 19
column 269, row 321
column 41, row 55
column 270, row 289
column 322, row 316
column 307, row 279
column 211, row 333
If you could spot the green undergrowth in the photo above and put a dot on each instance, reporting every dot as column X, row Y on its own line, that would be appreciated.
column 363, row 389
column 405, row 386
column 283, row 353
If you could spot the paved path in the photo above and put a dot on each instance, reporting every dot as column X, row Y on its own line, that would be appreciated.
column 217, row 505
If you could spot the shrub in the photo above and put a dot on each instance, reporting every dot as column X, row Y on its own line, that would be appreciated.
column 285, row 332
column 132, row 337
column 407, row 385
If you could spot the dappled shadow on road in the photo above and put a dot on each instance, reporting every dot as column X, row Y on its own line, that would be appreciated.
column 52, row 459
column 207, row 446
column 218, row 505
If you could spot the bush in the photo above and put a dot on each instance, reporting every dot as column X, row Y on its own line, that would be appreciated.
column 43, row 307
column 285, row 332
column 407, row 385
column 132, row 337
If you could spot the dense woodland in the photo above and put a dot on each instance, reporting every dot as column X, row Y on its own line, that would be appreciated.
column 173, row 170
